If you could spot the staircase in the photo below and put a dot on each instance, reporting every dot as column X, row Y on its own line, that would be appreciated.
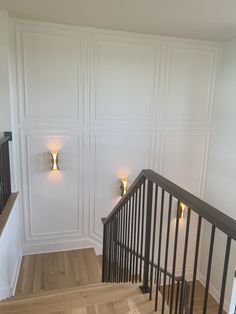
column 138, row 272
column 151, row 234
column 98, row 298
column 86, row 298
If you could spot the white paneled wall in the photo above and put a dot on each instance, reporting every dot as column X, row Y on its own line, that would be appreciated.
column 10, row 253
column 111, row 103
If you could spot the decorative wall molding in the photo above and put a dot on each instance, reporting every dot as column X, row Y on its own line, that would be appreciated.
column 127, row 148
column 27, row 40
column 201, row 137
column 130, row 88
column 185, row 99
column 101, row 109
column 36, row 247
column 50, row 139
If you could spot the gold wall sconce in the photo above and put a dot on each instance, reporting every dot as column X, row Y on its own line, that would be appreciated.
column 54, row 160
column 124, row 186
column 182, row 210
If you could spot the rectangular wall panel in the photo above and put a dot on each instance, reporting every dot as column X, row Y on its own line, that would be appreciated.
column 54, row 197
column 51, row 71
column 183, row 159
column 189, row 74
column 116, row 157
column 125, row 73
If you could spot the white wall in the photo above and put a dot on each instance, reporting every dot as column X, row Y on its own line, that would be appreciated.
column 10, row 253
column 221, row 176
column 111, row 103
column 11, row 237
column 5, row 116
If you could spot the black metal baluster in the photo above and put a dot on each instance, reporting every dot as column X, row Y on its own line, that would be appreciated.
column 138, row 235
column 104, row 253
column 153, row 240
column 112, row 241
column 125, row 240
column 184, row 260
column 175, row 255
column 115, row 247
column 177, row 298
column 223, row 285
column 109, row 254
column 135, row 236
column 121, row 243
column 160, row 280
column 131, row 238
column 209, row 269
column 119, row 246
column 145, row 288
column 195, row 263
column 168, row 295
column 142, row 229
column 159, row 248
column 167, row 252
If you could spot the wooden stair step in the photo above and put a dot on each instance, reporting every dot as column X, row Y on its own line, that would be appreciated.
column 97, row 299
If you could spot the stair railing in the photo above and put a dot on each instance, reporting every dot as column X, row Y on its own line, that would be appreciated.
column 137, row 242
column 5, row 175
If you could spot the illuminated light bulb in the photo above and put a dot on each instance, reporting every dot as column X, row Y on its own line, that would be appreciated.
column 124, row 185
column 54, row 160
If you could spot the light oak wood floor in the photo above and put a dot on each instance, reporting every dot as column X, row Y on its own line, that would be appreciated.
column 58, row 270
column 42, row 273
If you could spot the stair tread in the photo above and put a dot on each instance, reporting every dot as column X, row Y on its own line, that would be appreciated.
column 105, row 298
column 53, row 292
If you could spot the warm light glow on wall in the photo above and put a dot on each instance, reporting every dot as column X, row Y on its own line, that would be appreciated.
column 124, row 185
column 182, row 210
column 54, row 160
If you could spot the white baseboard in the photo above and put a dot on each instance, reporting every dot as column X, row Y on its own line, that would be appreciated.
column 7, row 292
column 60, row 245
column 16, row 275
column 214, row 292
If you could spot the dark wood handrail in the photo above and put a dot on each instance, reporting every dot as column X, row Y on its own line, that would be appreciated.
column 214, row 216
column 5, row 139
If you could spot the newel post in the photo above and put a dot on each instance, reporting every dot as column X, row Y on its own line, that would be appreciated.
column 145, row 287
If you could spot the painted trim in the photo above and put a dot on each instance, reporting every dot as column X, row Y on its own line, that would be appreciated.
column 10, row 291
column 30, row 248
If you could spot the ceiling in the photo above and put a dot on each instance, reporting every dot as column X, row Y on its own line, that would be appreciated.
column 200, row 19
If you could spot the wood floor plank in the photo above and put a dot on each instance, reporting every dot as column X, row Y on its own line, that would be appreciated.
column 45, row 273
column 58, row 270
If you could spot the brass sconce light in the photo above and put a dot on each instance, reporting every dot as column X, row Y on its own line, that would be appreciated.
column 182, row 210
column 54, row 160
column 123, row 186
